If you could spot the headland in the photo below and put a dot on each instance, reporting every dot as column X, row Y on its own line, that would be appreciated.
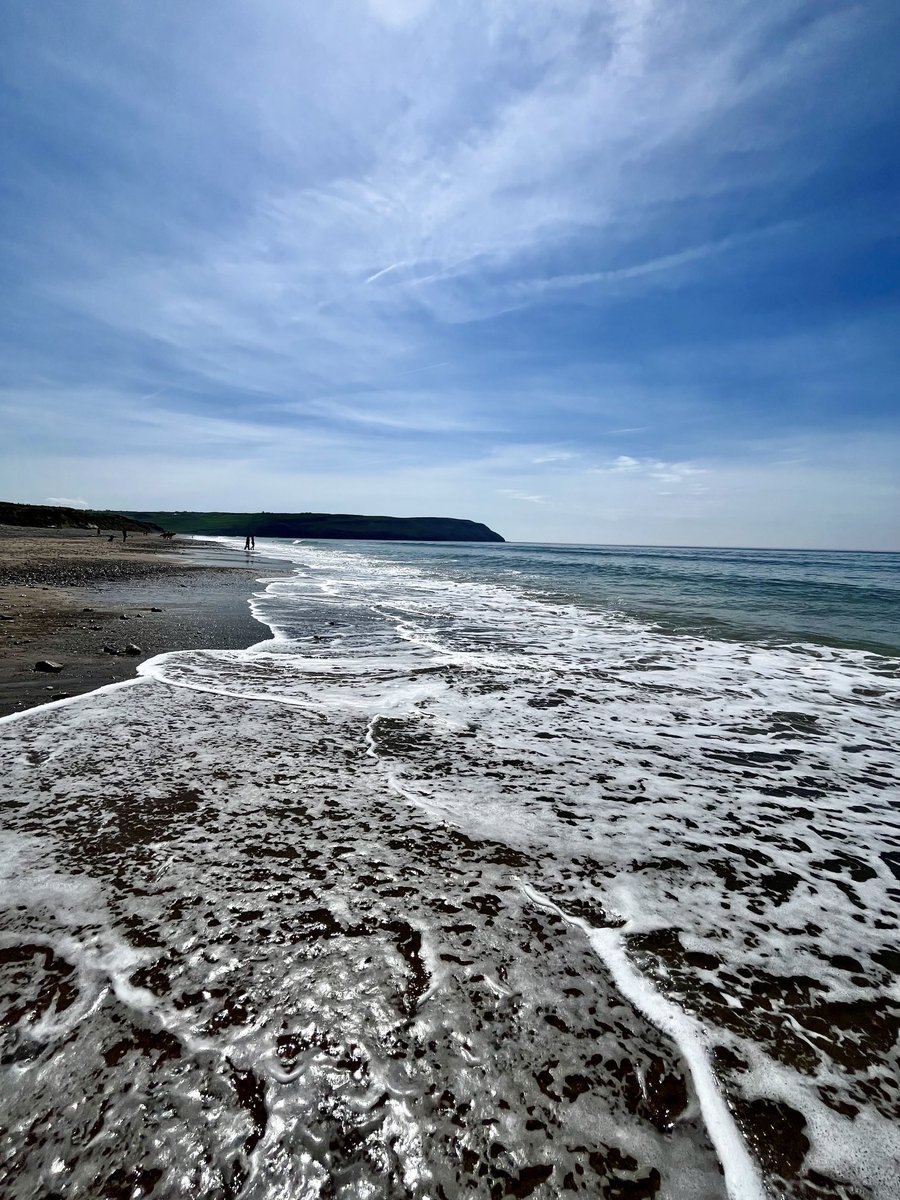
column 321, row 525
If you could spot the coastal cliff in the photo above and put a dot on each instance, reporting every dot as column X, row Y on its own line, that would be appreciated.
column 323, row 525
column 55, row 516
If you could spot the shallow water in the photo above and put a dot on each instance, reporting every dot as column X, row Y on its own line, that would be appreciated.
column 456, row 887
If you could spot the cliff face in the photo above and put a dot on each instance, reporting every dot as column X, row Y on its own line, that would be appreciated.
column 323, row 525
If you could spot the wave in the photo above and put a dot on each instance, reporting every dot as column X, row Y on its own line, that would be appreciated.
column 380, row 854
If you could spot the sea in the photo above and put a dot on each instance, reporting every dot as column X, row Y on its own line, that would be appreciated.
column 496, row 870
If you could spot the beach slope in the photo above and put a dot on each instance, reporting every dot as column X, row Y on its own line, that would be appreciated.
column 96, row 609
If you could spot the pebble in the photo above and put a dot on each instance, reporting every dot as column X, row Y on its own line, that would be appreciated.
column 132, row 649
column 47, row 664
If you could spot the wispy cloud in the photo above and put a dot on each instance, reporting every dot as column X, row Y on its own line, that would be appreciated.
column 66, row 501
column 681, row 474
column 380, row 234
column 384, row 271
column 398, row 12
column 556, row 457
column 514, row 494
column 528, row 289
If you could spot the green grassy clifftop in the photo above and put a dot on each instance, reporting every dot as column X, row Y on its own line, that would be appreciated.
column 54, row 516
column 323, row 525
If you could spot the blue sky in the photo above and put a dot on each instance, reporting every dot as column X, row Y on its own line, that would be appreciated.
column 597, row 271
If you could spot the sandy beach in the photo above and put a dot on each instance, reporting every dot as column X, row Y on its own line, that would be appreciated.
column 70, row 598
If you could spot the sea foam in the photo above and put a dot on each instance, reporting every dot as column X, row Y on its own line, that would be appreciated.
column 281, row 896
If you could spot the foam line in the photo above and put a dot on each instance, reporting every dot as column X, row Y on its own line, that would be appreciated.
column 147, row 671
column 369, row 739
column 149, row 674
column 742, row 1178
column 42, row 708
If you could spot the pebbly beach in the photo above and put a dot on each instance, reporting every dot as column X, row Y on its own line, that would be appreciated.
column 463, row 883
column 91, row 610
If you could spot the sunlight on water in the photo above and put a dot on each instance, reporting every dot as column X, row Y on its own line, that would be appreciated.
column 455, row 889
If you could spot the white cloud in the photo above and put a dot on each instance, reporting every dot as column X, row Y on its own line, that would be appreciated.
column 66, row 502
column 559, row 456
column 398, row 13
column 828, row 501
column 683, row 474
column 531, row 289
column 514, row 494
column 327, row 278
column 365, row 189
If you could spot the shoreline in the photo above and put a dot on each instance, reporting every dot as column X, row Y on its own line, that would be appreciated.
column 99, row 609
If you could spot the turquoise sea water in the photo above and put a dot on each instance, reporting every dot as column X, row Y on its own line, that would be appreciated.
column 837, row 598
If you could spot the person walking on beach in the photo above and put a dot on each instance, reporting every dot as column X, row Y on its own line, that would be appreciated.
column 247, row 541
column 124, row 535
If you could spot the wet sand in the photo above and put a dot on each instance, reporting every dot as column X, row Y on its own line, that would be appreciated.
column 79, row 601
column 427, row 901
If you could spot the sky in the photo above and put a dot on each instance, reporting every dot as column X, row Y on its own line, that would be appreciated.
column 609, row 271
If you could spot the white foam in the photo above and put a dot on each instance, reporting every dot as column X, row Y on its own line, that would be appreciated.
column 839, row 1148
column 619, row 757
column 67, row 702
column 742, row 1177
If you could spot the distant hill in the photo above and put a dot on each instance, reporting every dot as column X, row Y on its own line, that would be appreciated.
column 53, row 516
column 323, row 525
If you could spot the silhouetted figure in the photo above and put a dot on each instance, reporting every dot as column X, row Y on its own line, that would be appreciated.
column 124, row 535
column 252, row 542
column 247, row 541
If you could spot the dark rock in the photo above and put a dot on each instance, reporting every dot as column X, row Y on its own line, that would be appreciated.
column 111, row 650
column 132, row 649
column 47, row 664
column 5, row 617
column 156, row 610
column 60, row 696
column 123, row 617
